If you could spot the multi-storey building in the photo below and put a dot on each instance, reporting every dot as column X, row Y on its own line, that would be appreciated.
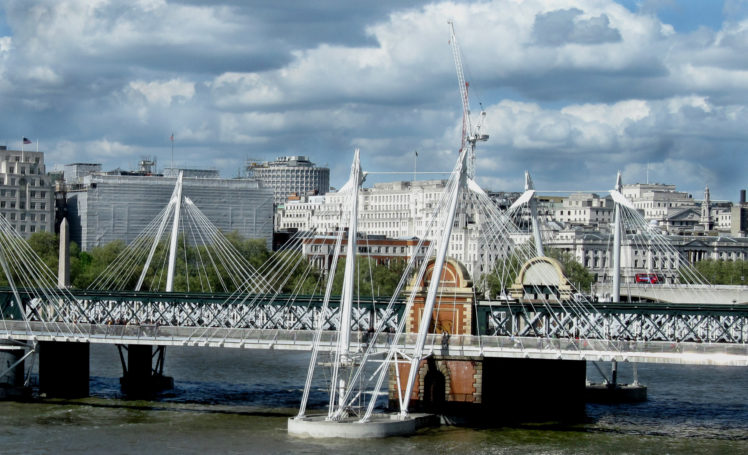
column 297, row 213
column 593, row 249
column 291, row 175
column 320, row 249
column 739, row 217
column 395, row 210
column 585, row 209
column 119, row 207
column 27, row 199
column 674, row 211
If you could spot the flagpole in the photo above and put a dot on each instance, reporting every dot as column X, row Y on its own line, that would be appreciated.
column 21, row 148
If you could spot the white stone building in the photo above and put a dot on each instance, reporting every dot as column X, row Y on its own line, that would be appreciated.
column 593, row 249
column 26, row 192
column 586, row 209
column 394, row 210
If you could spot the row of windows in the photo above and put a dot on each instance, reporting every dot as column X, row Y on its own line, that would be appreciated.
column 22, row 206
column 22, row 170
column 17, row 158
column 11, row 181
column 31, row 228
column 23, row 216
column 12, row 193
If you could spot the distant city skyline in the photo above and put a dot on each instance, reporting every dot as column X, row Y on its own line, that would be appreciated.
column 574, row 90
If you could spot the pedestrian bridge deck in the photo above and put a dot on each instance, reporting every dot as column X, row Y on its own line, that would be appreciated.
column 457, row 345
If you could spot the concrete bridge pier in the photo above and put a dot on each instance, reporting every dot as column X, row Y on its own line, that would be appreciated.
column 141, row 378
column 11, row 377
column 63, row 369
column 488, row 391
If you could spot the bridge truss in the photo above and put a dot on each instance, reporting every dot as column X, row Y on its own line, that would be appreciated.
column 646, row 332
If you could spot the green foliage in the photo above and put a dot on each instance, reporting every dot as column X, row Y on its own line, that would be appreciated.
column 372, row 279
column 576, row 273
column 297, row 277
column 719, row 272
column 47, row 246
column 502, row 276
column 87, row 266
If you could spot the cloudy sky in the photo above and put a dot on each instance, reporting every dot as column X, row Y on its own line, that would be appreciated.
column 573, row 90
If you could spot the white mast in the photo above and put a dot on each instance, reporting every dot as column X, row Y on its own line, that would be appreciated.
column 176, row 196
column 174, row 234
column 423, row 327
column 346, row 304
column 616, row 272
column 534, row 216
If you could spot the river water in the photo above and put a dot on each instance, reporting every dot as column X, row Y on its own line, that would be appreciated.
column 238, row 401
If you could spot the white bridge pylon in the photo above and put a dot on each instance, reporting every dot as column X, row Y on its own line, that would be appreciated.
column 628, row 245
column 357, row 377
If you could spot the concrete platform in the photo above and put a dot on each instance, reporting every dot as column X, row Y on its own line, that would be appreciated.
column 380, row 426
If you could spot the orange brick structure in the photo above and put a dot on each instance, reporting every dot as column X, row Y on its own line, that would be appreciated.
column 443, row 380
column 496, row 388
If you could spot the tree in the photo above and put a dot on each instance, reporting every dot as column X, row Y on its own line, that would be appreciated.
column 47, row 246
column 576, row 273
column 372, row 279
column 717, row 272
column 500, row 278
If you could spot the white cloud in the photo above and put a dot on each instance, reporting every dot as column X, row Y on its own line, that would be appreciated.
column 570, row 86
column 5, row 44
column 90, row 151
column 163, row 92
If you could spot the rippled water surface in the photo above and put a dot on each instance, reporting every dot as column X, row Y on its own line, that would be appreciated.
column 230, row 401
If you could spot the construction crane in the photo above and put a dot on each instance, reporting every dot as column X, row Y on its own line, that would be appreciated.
column 470, row 135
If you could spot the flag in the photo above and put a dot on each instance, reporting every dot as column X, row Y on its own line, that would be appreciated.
column 416, row 153
column 172, row 137
column 26, row 141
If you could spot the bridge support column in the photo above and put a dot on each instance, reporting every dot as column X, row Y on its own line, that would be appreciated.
column 11, row 382
column 495, row 390
column 536, row 389
column 63, row 369
column 140, row 378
